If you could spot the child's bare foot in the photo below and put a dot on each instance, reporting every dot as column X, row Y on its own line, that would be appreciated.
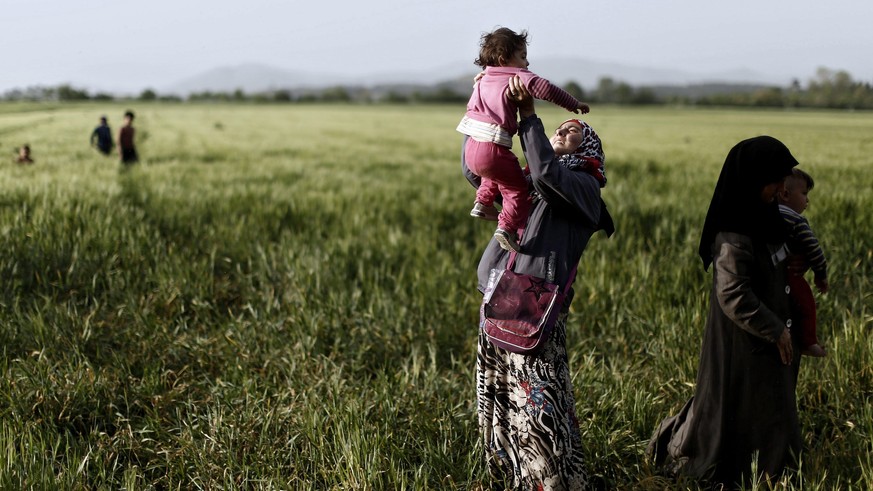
column 815, row 350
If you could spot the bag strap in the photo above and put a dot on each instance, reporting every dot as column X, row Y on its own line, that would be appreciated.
column 511, row 264
column 571, row 278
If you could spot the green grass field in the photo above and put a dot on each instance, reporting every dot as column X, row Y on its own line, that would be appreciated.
column 283, row 297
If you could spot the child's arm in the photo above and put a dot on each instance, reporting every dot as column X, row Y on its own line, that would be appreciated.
column 547, row 91
column 810, row 249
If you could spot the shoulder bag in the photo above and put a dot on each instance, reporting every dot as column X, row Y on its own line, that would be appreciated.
column 519, row 311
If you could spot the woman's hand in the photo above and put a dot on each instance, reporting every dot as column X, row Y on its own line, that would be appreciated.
column 786, row 351
column 518, row 92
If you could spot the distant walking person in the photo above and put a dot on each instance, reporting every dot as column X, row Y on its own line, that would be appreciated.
column 126, row 147
column 101, row 137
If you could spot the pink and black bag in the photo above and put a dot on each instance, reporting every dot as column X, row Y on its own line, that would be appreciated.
column 519, row 311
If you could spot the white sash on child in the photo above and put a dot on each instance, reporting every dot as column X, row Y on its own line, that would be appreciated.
column 485, row 132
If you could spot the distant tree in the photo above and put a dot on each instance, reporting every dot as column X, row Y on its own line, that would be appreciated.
column 624, row 93
column 67, row 93
column 209, row 96
column 200, row 96
column 606, row 90
column 862, row 96
column 147, row 95
column 335, row 94
column 43, row 93
column 13, row 95
column 794, row 95
column 644, row 96
column 836, row 89
column 282, row 95
column 770, row 97
column 239, row 95
column 440, row 95
column 365, row 96
column 103, row 96
column 393, row 97
column 260, row 98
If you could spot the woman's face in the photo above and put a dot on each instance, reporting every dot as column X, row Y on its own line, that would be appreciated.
column 567, row 138
column 769, row 192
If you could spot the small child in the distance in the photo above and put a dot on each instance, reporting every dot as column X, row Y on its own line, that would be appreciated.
column 793, row 200
column 491, row 122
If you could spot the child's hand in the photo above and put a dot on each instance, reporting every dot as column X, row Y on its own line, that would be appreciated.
column 478, row 76
column 582, row 108
column 821, row 283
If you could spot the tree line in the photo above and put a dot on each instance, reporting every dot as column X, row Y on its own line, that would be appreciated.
column 827, row 89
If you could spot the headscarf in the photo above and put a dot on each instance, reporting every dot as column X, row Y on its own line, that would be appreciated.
column 736, row 204
column 588, row 156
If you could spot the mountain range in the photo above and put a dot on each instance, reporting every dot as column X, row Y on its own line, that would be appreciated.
column 254, row 78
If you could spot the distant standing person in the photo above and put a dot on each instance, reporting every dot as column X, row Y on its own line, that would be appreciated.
column 24, row 155
column 101, row 137
column 126, row 147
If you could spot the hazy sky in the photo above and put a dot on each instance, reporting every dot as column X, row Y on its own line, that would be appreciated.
column 126, row 45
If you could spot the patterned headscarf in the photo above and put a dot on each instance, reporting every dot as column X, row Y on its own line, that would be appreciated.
column 588, row 157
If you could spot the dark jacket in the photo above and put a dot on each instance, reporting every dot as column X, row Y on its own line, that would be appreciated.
column 565, row 214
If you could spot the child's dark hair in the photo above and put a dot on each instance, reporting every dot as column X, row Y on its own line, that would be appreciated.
column 129, row 114
column 502, row 42
column 803, row 176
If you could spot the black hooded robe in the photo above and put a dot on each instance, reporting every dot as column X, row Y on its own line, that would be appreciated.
column 744, row 406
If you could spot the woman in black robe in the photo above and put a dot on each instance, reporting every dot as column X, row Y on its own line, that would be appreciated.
column 744, row 407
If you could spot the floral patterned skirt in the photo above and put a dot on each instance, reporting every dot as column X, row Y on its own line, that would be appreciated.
column 527, row 416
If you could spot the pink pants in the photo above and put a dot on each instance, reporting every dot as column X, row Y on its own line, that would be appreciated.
column 501, row 173
column 803, row 308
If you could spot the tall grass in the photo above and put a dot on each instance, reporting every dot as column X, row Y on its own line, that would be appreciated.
column 283, row 297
